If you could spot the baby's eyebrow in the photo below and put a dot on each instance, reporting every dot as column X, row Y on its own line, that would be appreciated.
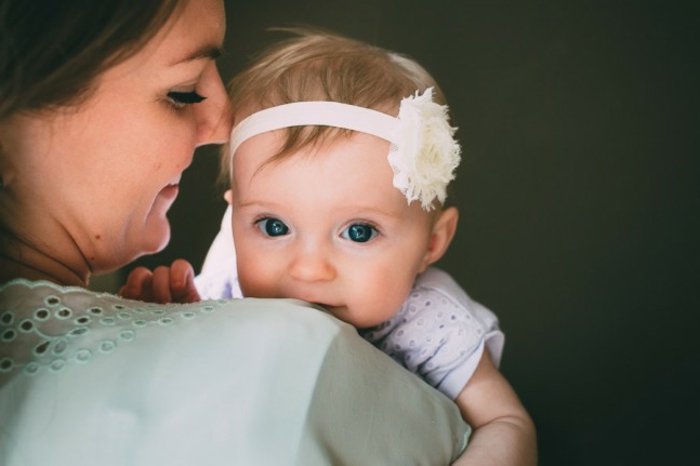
column 379, row 211
column 254, row 203
column 356, row 210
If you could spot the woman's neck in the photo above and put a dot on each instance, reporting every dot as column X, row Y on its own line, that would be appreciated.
column 22, row 260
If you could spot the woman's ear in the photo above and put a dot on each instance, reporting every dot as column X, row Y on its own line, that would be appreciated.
column 441, row 236
column 228, row 196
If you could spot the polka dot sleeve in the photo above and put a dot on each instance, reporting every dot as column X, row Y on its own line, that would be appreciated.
column 439, row 334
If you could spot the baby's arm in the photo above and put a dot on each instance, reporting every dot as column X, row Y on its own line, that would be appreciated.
column 163, row 285
column 504, row 433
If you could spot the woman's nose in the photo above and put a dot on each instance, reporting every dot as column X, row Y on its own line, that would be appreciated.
column 213, row 115
column 312, row 266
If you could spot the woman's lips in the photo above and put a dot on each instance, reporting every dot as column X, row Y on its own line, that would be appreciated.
column 169, row 193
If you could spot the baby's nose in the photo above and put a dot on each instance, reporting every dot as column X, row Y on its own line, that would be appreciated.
column 312, row 266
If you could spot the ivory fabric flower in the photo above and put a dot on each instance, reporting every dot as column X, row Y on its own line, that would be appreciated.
column 424, row 153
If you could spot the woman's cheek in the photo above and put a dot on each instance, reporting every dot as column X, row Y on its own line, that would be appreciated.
column 180, row 143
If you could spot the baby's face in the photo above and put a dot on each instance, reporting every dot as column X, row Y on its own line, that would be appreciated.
column 327, row 226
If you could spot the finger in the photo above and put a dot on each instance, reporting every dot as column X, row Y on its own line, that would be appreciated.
column 161, row 285
column 182, row 282
column 137, row 284
column 147, row 289
column 179, row 271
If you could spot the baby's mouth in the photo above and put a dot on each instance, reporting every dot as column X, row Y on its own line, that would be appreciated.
column 325, row 306
column 332, row 307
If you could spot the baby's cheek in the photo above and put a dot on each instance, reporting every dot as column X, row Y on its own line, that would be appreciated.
column 378, row 308
column 251, row 284
column 394, row 298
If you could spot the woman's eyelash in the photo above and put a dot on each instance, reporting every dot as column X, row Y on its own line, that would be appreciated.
column 180, row 99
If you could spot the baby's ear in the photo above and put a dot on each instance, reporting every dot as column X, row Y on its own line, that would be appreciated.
column 228, row 196
column 440, row 238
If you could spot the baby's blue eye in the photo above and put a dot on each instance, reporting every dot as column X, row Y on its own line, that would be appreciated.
column 359, row 232
column 273, row 227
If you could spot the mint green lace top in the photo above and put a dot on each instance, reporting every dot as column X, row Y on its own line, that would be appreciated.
column 90, row 378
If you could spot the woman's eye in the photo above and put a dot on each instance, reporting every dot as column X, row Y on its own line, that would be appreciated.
column 359, row 232
column 181, row 99
column 273, row 227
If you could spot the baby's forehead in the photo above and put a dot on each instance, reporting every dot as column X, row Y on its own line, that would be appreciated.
column 340, row 180
column 289, row 145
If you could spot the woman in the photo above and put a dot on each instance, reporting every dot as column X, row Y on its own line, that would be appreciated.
column 101, row 107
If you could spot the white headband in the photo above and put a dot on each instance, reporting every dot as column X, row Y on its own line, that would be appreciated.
column 423, row 151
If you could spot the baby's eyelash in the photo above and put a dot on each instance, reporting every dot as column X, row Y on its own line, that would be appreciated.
column 181, row 99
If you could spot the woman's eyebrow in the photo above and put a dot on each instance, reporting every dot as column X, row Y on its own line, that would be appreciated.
column 211, row 52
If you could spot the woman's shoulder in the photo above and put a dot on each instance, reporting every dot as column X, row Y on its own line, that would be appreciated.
column 208, row 382
column 46, row 328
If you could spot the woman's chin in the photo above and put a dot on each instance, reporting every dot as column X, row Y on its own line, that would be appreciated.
column 159, row 238
column 157, row 225
column 153, row 237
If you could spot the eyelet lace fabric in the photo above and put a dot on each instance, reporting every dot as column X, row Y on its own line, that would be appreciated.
column 44, row 328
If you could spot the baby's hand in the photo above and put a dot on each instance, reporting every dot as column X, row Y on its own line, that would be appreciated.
column 163, row 285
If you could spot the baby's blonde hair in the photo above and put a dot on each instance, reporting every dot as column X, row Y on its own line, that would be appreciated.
column 317, row 65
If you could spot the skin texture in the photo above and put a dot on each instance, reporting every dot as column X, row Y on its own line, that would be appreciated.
column 88, row 188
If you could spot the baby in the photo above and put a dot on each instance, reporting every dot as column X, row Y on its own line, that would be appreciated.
column 339, row 162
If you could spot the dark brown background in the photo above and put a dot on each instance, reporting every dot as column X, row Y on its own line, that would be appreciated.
column 578, row 192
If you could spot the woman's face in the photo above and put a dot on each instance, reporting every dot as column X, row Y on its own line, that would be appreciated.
column 102, row 176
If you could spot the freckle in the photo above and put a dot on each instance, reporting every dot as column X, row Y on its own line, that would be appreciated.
column 98, row 236
column 92, row 259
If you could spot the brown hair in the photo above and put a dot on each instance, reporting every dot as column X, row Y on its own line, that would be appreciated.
column 323, row 66
column 51, row 52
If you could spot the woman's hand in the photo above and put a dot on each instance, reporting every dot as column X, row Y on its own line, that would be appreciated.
column 174, row 284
